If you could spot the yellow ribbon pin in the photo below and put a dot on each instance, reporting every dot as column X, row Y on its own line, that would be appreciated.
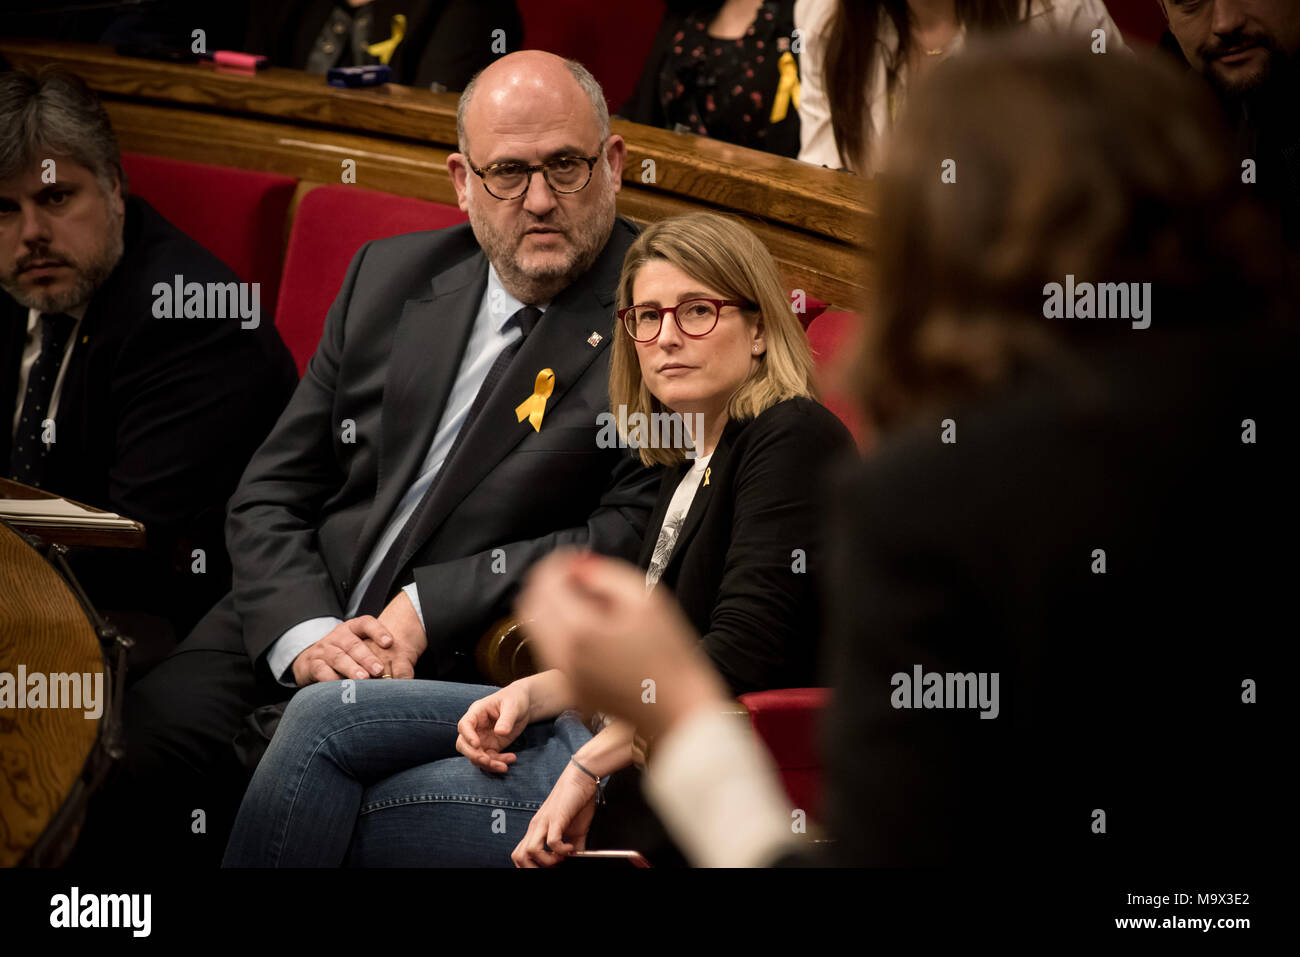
column 707, row 470
column 787, row 91
column 385, row 48
column 534, row 407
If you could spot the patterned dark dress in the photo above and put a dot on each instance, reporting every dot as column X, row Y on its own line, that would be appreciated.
column 723, row 89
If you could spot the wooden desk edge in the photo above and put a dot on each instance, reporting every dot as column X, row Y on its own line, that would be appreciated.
column 71, row 535
column 801, row 193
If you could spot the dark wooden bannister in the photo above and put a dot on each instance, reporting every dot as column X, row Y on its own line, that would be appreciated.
column 818, row 223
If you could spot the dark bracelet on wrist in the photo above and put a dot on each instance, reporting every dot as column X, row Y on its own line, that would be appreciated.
column 600, row 791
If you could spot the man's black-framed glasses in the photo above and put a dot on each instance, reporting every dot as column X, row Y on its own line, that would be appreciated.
column 563, row 174
column 694, row 317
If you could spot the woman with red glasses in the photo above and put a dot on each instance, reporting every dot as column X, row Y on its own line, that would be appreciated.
column 710, row 379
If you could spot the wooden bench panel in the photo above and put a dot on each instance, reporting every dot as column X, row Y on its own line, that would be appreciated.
column 817, row 223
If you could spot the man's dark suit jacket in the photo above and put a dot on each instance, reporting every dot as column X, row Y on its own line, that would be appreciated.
column 311, row 505
column 1120, row 691
column 156, row 420
column 745, row 570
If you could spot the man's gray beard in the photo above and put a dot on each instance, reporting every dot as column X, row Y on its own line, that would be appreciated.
column 86, row 282
column 589, row 239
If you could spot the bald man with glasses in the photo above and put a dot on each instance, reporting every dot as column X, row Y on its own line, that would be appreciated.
column 471, row 364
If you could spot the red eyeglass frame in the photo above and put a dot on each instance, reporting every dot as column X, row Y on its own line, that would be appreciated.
column 717, row 315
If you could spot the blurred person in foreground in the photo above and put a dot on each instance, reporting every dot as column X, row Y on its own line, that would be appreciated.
column 1104, row 531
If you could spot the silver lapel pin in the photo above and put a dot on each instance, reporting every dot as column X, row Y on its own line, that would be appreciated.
column 593, row 340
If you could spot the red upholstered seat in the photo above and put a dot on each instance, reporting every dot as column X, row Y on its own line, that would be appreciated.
column 331, row 224
column 787, row 721
column 236, row 214
column 612, row 40
column 812, row 308
column 833, row 338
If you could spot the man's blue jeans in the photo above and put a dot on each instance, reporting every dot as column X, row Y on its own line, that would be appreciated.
column 377, row 781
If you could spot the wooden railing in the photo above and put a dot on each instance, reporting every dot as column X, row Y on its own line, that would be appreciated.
column 817, row 223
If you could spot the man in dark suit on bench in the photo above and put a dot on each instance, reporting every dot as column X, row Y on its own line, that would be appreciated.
column 443, row 438
column 107, row 395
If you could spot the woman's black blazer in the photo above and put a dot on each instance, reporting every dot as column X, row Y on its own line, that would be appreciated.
column 745, row 570
column 746, row 564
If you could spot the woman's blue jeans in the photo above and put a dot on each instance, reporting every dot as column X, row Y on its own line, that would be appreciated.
column 376, row 781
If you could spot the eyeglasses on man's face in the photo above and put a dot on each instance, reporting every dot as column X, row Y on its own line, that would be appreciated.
column 694, row 317
column 563, row 174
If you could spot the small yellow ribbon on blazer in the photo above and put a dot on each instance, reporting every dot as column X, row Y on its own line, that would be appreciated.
column 385, row 49
column 707, row 470
column 787, row 91
column 534, row 407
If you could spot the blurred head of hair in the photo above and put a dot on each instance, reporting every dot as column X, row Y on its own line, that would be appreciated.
column 1109, row 168
column 725, row 255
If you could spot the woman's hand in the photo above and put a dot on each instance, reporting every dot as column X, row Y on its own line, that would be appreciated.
column 592, row 618
column 490, row 724
column 560, row 825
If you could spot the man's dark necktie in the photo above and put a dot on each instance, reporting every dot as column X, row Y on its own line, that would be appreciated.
column 381, row 586
column 27, row 461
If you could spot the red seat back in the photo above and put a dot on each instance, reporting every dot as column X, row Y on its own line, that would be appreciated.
column 612, row 40
column 331, row 224
column 787, row 720
column 236, row 214
column 833, row 337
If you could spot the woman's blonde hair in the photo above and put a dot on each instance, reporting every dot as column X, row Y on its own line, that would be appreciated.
column 723, row 254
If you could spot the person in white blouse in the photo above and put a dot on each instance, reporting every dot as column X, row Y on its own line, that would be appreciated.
column 876, row 50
